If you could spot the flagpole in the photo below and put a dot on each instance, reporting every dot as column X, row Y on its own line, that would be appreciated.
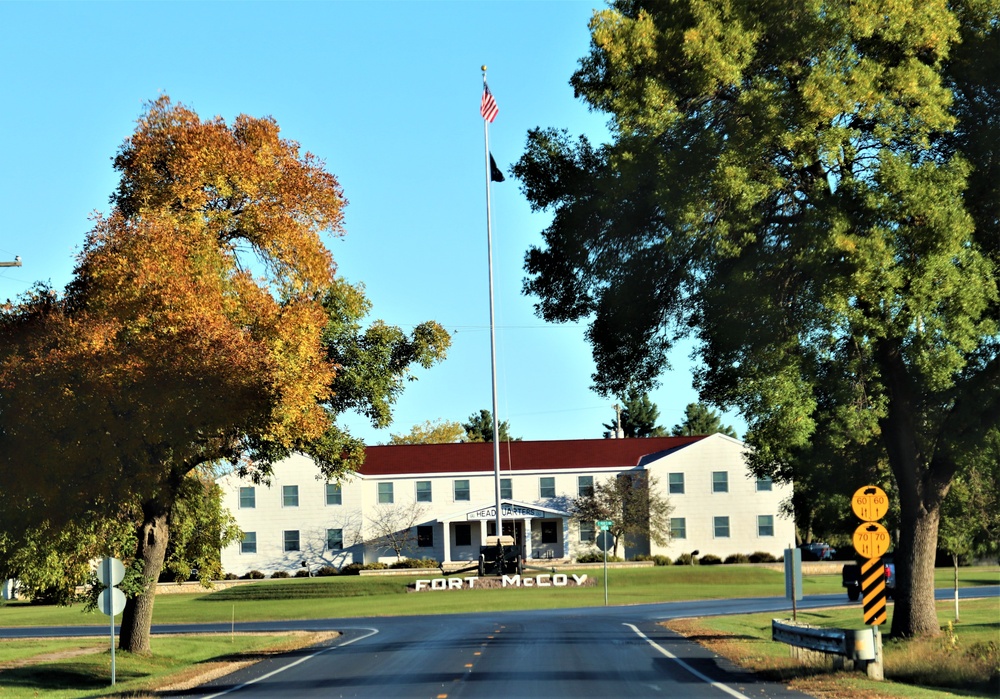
column 493, row 337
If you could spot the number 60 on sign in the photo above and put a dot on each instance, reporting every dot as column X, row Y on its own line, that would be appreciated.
column 871, row 540
column 870, row 503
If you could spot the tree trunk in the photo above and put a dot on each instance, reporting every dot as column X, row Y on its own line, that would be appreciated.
column 915, row 613
column 150, row 549
column 922, row 482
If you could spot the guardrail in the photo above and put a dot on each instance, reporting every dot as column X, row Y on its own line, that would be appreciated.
column 861, row 647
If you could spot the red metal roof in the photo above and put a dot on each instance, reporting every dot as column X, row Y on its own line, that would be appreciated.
column 405, row 459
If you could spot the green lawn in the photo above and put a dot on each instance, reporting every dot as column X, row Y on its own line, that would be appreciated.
column 175, row 659
column 354, row 596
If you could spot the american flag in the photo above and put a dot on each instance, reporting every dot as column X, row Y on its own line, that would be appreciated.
column 488, row 108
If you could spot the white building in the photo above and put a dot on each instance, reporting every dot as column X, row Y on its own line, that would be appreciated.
column 447, row 493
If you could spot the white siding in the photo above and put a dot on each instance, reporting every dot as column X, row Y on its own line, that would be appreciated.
column 698, row 505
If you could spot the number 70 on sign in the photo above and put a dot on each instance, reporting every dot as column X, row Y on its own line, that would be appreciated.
column 871, row 540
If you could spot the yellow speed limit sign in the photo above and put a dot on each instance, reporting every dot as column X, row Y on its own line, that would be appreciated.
column 870, row 503
column 871, row 540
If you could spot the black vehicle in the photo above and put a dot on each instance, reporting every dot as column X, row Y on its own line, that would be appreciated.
column 851, row 579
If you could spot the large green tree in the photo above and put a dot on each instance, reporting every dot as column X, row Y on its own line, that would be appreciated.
column 204, row 322
column 699, row 419
column 431, row 432
column 810, row 188
column 637, row 417
column 479, row 428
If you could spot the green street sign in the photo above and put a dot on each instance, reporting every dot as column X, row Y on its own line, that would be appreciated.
column 604, row 524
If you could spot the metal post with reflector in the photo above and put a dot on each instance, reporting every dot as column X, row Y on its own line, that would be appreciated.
column 605, row 540
column 871, row 541
column 111, row 600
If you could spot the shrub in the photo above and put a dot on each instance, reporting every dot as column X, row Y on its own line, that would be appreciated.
column 230, row 576
column 416, row 563
column 686, row 559
column 737, row 558
column 355, row 568
column 597, row 557
column 253, row 575
column 658, row 559
column 762, row 557
column 326, row 571
column 710, row 560
column 302, row 573
column 280, row 574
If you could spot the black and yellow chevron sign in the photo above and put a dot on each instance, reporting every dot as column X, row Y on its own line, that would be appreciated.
column 873, row 591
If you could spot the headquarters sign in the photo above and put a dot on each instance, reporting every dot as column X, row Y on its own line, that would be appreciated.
column 506, row 510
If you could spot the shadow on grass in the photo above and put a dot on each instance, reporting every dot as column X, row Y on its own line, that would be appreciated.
column 64, row 676
column 706, row 637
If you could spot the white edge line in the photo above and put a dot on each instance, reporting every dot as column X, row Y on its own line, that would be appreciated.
column 704, row 678
column 293, row 664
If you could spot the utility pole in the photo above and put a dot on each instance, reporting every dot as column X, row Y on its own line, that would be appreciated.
column 15, row 263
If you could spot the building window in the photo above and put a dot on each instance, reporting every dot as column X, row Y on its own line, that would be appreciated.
column 550, row 533
column 425, row 536
column 290, row 495
column 585, row 486
column 678, row 528
column 423, row 491
column 721, row 527
column 334, row 494
column 292, row 540
column 765, row 525
column 587, row 533
column 385, row 494
column 764, row 484
column 462, row 490
column 335, row 539
column 720, row 481
column 675, row 483
column 547, row 487
column 506, row 490
column 463, row 535
column 249, row 543
column 248, row 498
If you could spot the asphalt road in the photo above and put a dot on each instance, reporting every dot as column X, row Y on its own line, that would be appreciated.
column 554, row 653
column 591, row 652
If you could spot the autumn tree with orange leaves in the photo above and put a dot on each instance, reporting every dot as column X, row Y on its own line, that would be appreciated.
column 204, row 322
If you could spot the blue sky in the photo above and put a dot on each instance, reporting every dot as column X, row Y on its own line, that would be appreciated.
column 387, row 93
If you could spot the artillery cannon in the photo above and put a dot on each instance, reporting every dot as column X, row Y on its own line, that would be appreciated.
column 500, row 556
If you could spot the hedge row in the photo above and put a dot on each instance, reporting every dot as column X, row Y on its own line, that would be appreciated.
column 682, row 560
column 686, row 559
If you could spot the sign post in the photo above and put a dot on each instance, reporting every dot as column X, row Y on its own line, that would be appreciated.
column 112, row 600
column 605, row 540
column 871, row 541
column 793, row 577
